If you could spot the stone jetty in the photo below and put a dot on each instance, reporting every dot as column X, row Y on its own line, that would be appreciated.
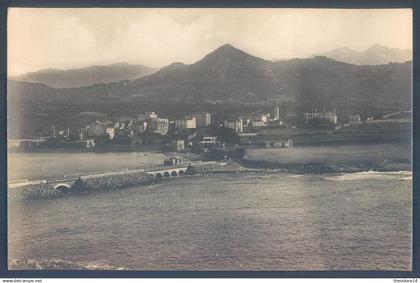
column 110, row 181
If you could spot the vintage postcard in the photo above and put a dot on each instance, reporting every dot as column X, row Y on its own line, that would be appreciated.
column 209, row 139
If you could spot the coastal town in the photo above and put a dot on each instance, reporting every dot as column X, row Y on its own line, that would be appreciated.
column 202, row 133
column 209, row 139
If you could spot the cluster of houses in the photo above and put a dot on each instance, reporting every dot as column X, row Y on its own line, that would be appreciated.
column 149, row 128
column 147, row 123
column 257, row 119
column 194, row 130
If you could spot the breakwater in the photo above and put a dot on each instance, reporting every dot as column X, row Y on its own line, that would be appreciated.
column 88, row 184
column 33, row 192
column 110, row 181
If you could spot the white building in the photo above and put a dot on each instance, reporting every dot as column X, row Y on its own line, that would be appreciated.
column 186, row 123
column 110, row 132
column 209, row 141
column 158, row 126
column 321, row 116
column 256, row 124
column 259, row 120
column 260, row 117
column 277, row 113
column 237, row 125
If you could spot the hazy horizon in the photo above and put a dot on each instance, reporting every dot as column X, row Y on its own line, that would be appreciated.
column 54, row 38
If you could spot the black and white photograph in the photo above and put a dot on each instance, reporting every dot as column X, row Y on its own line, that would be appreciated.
column 209, row 139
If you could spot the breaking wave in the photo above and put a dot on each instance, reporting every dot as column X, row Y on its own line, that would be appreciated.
column 393, row 175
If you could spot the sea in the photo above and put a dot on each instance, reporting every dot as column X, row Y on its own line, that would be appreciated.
column 254, row 221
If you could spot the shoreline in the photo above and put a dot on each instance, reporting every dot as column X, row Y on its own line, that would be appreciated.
column 137, row 148
column 121, row 180
column 328, row 160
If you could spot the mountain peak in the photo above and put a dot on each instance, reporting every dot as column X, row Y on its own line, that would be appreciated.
column 226, row 46
column 226, row 49
column 227, row 52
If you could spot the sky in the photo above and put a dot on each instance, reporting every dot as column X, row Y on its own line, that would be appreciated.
column 65, row 38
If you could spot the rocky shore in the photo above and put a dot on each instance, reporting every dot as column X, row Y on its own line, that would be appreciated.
column 218, row 167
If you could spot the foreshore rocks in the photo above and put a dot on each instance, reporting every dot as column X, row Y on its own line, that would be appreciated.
column 217, row 167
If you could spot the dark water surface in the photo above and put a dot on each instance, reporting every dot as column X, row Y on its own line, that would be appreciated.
column 242, row 221
column 38, row 166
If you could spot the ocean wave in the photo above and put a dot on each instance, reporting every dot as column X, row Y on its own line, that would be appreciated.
column 58, row 264
column 391, row 175
column 324, row 167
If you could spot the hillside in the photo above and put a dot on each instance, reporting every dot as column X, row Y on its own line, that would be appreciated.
column 87, row 76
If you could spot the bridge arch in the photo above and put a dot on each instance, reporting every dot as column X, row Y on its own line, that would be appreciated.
column 62, row 187
column 174, row 174
column 181, row 172
column 166, row 174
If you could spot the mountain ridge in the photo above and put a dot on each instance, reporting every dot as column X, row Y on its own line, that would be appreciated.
column 86, row 76
column 374, row 55
column 231, row 75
